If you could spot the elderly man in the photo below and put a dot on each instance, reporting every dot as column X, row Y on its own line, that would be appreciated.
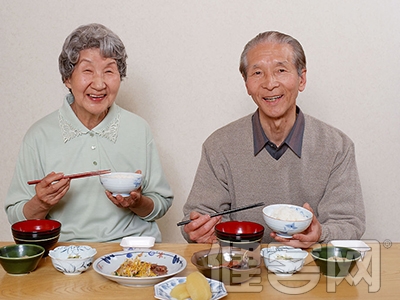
column 277, row 155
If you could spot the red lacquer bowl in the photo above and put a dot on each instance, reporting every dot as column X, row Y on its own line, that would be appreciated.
column 239, row 231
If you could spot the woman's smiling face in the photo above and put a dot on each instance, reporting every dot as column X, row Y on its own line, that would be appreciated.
column 94, row 83
column 272, row 80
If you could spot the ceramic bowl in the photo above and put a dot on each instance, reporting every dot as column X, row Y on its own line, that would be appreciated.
column 20, row 259
column 286, row 220
column 72, row 260
column 121, row 183
column 106, row 266
column 135, row 242
column 335, row 261
column 40, row 232
column 225, row 264
column 284, row 260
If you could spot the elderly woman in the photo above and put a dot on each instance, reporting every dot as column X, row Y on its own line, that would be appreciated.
column 90, row 132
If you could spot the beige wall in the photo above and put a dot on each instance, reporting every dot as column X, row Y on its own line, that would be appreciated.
column 183, row 79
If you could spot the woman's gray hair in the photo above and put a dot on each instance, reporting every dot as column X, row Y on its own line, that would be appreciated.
column 87, row 37
column 299, row 56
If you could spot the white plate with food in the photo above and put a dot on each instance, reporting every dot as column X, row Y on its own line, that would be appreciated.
column 163, row 289
column 139, row 267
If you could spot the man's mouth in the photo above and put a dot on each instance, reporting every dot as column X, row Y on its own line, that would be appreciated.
column 272, row 99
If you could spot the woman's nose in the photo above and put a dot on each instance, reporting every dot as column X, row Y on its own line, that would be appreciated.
column 98, row 82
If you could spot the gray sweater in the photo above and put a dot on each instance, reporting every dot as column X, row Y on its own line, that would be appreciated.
column 326, row 176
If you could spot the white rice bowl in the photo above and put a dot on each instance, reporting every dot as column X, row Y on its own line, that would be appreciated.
column 287, row 219
column 109, row 263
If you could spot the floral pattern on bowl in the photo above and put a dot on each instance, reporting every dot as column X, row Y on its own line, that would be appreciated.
column 72, row 260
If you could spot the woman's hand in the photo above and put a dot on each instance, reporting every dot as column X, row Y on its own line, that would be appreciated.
column 201, row 228
column 307, row 238
column 49, row 191
column 136, row 202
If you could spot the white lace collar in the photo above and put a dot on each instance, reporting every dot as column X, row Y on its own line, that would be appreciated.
column 71, row 127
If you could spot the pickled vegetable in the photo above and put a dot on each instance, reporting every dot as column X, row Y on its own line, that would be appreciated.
column 180, row 292
column 198, row 287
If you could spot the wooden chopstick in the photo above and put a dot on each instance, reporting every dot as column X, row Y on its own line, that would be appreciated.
column 225, row 212
column 77, row 175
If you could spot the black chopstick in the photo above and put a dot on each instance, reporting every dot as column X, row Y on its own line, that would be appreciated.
column 225, row 212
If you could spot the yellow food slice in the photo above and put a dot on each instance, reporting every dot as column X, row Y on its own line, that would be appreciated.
column 198, row 287
column 180, row 292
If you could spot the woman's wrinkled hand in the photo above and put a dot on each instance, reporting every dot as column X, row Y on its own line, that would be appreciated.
column 136, row 202
column 49, row 191
column 201, row 228
column 132, row 201
column 52, row 188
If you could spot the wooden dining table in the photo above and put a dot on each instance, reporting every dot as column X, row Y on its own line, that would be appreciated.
column 376, row 276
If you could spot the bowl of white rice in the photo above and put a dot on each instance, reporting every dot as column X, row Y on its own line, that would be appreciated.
column 121, row 183
column 287, row 219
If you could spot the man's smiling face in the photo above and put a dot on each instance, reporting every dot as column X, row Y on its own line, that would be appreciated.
column 272, row 80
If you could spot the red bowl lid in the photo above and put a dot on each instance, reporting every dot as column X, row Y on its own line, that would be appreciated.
column 239, row 228
column 39, row 225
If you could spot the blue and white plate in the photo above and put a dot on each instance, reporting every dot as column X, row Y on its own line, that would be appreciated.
column 109, row 263
column 163, row 289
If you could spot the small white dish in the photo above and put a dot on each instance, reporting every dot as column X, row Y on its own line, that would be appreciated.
column 352, row 244
column 132, row 242
column 163, row 289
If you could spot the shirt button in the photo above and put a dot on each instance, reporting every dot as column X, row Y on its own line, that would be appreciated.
column 95, row 163
column 93, row 147
column 92, row 134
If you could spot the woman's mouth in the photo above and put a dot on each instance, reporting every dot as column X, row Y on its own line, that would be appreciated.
column 97, row 97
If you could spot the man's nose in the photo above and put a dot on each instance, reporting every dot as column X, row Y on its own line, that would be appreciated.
column 269, row 82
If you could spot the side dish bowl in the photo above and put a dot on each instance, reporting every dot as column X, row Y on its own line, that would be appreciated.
column 335, row 261
column 72, row 260
column 20, row 259
column 284, row 260
column 286, row 226
column 106, row 266
column 227, row 264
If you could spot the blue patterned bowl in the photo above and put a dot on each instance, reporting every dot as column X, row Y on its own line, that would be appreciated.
column 121, row 183
column 72, row 260
column 297, row 219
